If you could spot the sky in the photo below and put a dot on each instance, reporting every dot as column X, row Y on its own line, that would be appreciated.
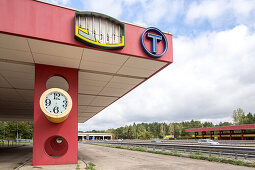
column 214, row 61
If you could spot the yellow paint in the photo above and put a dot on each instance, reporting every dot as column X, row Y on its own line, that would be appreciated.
column 56, row 118
column 97, row 42
column 237, row 135
column 169, row 137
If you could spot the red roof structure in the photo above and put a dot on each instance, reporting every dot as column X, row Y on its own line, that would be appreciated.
column 221, row 128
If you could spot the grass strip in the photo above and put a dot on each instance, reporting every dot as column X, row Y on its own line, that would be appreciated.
column 90, row 166
column 196, row 155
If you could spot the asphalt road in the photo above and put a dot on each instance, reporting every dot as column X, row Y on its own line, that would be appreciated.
column 9, row 158
column 118, row 159
column 115, row 159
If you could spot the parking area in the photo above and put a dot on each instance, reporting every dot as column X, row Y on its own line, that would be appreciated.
column 118, row 159
column 111, row 159
column 11, row 157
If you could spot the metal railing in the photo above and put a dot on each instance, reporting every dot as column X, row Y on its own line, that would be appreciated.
column 9, row 143
column 220, row 150
column 194, row 141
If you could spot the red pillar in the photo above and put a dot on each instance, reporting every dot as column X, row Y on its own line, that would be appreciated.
column 196, row 133
column 220, row 133
column 44, row 129
column 203, row 134
column 230, row 134
column 243, row 133
column 211, row 134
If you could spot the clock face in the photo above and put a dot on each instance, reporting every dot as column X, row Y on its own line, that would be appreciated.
column 56, row 103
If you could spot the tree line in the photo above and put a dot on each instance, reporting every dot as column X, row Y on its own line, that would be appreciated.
column 24, row 130
column 15, row 129
column 160, row 130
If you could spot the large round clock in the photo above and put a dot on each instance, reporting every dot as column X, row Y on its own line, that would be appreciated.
column 56, row 104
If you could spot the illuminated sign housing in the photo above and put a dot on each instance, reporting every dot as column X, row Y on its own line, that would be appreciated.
column 159, row 36
column 99, row 30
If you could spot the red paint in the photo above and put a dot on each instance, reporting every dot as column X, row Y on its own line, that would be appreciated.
column 47, row 22
column 220, row 134
column 51, row 23
column 55, row 149
column 211, row 134
column 196, row 134
column 43, row 129
column 220, row 128
column 203, row 135
column 230, row 134
column 243, row 132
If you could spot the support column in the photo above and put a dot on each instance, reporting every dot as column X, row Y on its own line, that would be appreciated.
column 196, row 133
column 243, row 133
column 230, row 134
column 211, row 135
column 220, row 135
column 46, row 134
column 203, row 134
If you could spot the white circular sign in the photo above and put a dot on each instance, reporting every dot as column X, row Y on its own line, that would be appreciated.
column 56, row 103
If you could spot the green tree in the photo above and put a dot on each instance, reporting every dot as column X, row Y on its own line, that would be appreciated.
column 239, row 116
column 109, row 131
column 208, row 124
column 162, row 132
column 225, row 124
column 131, row 132
column 2, row 129
column 141, row 131
column 10, row 129
column 135, row 130
column 178, row 130
column 249, row 119
column 171, row 129
column 148, row 135
column 25, row 130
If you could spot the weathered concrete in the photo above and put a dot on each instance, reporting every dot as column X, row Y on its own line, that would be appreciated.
column 9, row 158
column 13, row 157
column 29, row 166
column 117, row 159
column 112, row 159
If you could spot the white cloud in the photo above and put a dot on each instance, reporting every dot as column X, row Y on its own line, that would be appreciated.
column 61, row 2
column 144, row 12
column 109, row 7
column 220, row 12
column 212, row 75
column 156, row 11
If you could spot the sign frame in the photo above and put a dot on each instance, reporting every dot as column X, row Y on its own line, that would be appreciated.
column 96, row 43
column 155, row 30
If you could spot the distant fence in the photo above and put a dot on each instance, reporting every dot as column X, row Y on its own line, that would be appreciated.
column 228, row 150
column 194, row 141
column 8, row 143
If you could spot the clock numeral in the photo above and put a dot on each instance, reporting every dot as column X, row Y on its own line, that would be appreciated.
column 56, row 96
column 47, row 102
column 65, row 104
column 55, row 109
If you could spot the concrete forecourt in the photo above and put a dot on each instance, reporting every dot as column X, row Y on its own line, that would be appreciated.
column 118, row 159
column 106, row 158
